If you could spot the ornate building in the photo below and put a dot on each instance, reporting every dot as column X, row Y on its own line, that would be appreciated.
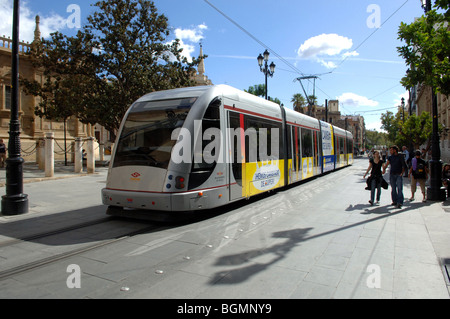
column 353, row 123
column 422, row 100
column 200, row 78
column 32, row 127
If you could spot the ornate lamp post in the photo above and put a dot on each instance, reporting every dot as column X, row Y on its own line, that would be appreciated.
column 14, row 202
column 267, row 70
column 435, row 191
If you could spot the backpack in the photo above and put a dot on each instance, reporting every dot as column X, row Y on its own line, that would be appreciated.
column 420, row 172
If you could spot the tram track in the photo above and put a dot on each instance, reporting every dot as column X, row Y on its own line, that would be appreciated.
column 54, row 232
column 29, row 266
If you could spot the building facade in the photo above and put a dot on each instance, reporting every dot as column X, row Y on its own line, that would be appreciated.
column 33, row 128
column 423, row 102
column 331, row 114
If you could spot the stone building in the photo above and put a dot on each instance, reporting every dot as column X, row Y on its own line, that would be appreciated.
column 353, row 123
column 32, row 127
column 422, row 101
column 200, row 77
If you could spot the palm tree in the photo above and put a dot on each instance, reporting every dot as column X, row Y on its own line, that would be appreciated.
column 299, row 102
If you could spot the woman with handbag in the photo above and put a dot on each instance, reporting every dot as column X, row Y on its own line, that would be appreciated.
column 375, row 165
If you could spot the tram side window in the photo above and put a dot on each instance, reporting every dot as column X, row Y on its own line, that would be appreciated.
column 292, row 146
column 289, row 143
column 307, row 146
column 337, row 149
column 341, row 145
column 349, row 145
column 260, row 143
column 236, row 165
column 201, row 171
column 317, row 147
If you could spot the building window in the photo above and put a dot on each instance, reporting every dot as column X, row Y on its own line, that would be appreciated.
column 7, row 97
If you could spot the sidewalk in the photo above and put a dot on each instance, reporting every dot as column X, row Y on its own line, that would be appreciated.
column 32, row 173
column 320, row 239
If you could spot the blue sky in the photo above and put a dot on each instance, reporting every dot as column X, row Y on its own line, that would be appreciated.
column 349, row 44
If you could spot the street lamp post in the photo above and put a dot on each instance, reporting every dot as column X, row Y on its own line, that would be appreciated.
column 14, row 202
column 435, row 190
column 268, row 70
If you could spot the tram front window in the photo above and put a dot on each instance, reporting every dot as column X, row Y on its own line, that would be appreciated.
column 145, row 139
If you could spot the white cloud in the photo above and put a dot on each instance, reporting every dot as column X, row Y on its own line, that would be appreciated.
column 48, row 24
column 189, row 38
column 353, row 53
column 324, row 46
column 352, row 99
column 398, row 98
column 375, row 126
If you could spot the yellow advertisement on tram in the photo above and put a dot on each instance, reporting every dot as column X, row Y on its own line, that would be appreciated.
column 262, row 176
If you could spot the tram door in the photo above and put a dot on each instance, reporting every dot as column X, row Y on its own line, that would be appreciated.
column 236, row 155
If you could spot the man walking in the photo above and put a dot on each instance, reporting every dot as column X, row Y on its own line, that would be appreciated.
column 2, row 153
column 398, row 167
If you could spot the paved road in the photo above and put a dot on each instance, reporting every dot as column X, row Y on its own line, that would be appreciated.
column 320, row 239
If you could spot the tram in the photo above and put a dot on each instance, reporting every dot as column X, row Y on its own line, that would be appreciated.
column 202, row 147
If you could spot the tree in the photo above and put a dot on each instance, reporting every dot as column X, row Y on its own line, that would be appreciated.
column 417, row 129
column 257, row 89
column 260, row 90
column 121, row 54
column 391, row 123
column 299, row 102
column 427, row 49
column 414, row 129
column 374, row 137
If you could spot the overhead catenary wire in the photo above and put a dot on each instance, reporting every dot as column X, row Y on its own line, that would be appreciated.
column 370, row 35
column 291, row 66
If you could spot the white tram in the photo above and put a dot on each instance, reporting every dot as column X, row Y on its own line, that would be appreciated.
column 203, row 147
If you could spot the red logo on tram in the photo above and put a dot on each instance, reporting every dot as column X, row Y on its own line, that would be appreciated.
column 135, row 174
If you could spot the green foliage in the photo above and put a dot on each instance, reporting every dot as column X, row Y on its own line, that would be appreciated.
column 121, row 54
column 260, row 90
column 298, row 102
column 414, row 129
column 257, row 89
column 376, row 138
column 427, row 49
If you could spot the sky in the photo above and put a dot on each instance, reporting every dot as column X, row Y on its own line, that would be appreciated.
column 350, row 45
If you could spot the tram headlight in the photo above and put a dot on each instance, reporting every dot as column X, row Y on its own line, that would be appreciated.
column 179, row 182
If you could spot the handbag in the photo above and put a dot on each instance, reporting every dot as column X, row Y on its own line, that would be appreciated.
column 384, row 184
column 368, row 183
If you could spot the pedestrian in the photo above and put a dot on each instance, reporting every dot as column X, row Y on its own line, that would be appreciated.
column 398, row 167
column 446, row 178
column 407, row 159
column 375, row 177
column 2, row 153
column 370, row 154
column 384, row 154
column 424, row 154
column 418, row 173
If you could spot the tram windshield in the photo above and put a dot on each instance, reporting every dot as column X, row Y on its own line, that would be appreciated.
column 145, row 139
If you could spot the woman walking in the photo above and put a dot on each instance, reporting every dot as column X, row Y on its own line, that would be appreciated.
column 375, row 165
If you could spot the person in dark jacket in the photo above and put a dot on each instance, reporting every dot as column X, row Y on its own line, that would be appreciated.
column 418, row 173
column 375, row 165
column 398, row 167
column 2, row 153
